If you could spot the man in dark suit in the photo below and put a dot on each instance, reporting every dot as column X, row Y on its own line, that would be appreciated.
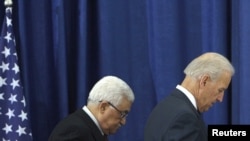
column 177, row 117
column 108, row 104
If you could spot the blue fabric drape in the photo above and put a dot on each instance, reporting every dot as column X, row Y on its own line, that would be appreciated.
column 240, row 52
column 66, row 46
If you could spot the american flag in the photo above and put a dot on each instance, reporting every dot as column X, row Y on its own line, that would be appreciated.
column 14, row 122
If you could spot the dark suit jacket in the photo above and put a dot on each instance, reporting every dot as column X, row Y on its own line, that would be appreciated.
column 78, row 126
column 175, row 119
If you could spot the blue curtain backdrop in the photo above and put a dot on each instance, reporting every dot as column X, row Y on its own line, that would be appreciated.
column 65, row 46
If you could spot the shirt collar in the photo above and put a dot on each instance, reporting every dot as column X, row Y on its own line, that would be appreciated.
column 85, row 108
column 188, row 94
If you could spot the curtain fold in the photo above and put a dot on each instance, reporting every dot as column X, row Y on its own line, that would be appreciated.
column 240, row 51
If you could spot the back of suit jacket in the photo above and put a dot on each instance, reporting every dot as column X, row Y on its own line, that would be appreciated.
column 78, row 126
column 175, row 119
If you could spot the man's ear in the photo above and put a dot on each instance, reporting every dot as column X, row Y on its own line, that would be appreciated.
column 204, row 79
column 103, row 106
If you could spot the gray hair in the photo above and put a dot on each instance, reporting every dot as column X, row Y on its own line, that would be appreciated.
column 112, row 89
column 209, row 63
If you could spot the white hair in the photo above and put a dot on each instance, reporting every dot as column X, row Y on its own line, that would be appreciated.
column 112, row 89
column 209, row 63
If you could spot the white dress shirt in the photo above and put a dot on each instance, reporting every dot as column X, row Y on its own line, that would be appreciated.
column 188, row 94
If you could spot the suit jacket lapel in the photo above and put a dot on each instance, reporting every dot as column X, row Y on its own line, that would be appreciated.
column 199, row 115
column 90, row 123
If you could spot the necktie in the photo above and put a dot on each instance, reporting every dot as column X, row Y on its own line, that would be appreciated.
column 105, row 137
